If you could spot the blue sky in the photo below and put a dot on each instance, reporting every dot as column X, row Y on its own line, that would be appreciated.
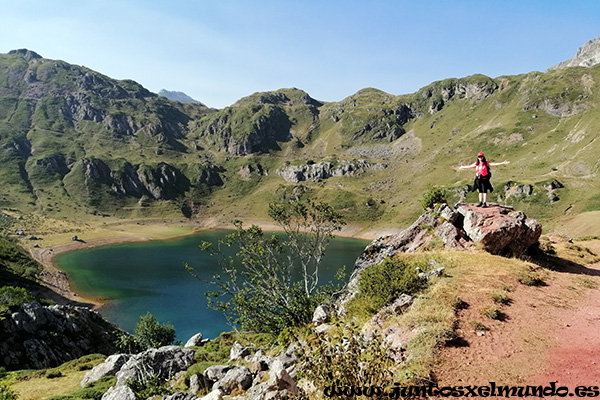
column 219, row 51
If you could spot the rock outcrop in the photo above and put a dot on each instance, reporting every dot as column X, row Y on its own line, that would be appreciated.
column 587, row 55
column 157, row 182
column 317, row 172
column 164, row 362
column 269, row 377
column 267, row 124
column 39, row 337
column 499, row 229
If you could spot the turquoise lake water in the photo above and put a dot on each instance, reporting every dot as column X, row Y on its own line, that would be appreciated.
column 136, row 278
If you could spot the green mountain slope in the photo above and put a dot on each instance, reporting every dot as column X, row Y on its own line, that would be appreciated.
column 74, row 142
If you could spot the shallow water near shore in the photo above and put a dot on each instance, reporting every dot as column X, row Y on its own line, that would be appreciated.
column 133, row 279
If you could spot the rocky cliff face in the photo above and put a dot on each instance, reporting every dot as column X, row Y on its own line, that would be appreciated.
column 39, row 337
column 257, row 123
column 322, row 170
column 587, row 55
column 159, row 182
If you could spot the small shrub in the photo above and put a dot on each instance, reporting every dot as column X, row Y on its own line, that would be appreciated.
column 342, row 359
column 479, row 326
column 531, row 278
column 148, row 386
column 14, row 296
column 432, row 197
column 501, row 297
column 587, row 282
column 148, row 334
column 492, row 312
column 383, row 283
column 53, row 373
column 152, row 334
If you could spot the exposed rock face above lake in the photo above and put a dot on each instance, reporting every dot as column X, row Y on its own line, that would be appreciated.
column 36, row 337
column 316, row 172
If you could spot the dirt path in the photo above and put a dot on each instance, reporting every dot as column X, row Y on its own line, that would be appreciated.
column 549, row 334
column 575, row 361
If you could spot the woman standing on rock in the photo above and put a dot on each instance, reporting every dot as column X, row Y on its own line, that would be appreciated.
column 482, row 177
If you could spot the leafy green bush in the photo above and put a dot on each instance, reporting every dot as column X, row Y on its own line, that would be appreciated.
column 382, row 283
column 151, row 384
column 6, row 393
column 149, row 333
column 14, row 296
column 432, row 197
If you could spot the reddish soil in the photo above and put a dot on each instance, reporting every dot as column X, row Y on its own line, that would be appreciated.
column 549, row 334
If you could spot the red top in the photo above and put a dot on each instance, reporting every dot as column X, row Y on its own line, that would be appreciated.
column 482, row 169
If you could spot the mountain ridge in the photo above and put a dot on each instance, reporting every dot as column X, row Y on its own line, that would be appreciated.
column 74, row 139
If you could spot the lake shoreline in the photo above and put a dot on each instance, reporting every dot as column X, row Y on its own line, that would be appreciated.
column 57, row 281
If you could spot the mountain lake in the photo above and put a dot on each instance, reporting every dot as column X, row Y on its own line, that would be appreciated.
column 132, row 279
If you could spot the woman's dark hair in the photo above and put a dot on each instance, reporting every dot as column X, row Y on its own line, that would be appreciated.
column 483, row 160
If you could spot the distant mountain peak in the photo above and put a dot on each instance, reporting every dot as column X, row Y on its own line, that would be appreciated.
column 587, row 55
column 27, row 53
column 178, row 96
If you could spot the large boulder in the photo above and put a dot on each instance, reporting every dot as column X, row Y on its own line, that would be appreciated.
column 109, row 367
column 119, row 393
column 164, row 360
column 239, row 351
column 280, row 386
column 196, row 340
column 216, row 372
column 236, row 379
column 501, row 230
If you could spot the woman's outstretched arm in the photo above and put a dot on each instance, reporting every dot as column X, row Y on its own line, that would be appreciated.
column 467, row 166
column 499, row 163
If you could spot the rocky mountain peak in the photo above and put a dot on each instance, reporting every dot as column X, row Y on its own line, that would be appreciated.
column 178, row 96
column 587, row 55
column 29, row 55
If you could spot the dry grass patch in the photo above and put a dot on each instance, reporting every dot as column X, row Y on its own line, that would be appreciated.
column 62, row 380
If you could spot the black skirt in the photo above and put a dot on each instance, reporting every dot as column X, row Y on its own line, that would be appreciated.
column 482, row 185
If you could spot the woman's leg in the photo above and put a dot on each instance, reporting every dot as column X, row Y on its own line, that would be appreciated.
column 484, row 198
